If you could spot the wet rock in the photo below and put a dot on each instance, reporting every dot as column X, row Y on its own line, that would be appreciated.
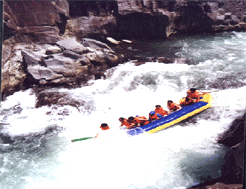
column 219, row 186
column 68, row 64
column 235, row 133
column 57, row 99
column 233, row 169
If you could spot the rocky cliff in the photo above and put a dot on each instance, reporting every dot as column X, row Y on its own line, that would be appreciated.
column 47, row 22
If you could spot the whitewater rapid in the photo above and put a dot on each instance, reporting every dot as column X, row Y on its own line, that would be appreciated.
column 41, row 154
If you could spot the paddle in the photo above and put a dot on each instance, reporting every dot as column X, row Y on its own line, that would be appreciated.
column 79, row 139
column 214, row 91
column 210, row 91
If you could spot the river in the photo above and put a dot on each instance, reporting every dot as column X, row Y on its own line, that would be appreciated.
column 36, row 148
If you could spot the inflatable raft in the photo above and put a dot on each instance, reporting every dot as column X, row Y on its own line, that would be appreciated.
column 175, row 117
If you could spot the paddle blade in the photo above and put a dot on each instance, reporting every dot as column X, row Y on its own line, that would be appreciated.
column 79, row 139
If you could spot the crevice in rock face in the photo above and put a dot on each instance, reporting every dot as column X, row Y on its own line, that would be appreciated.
column 8, row 32
column 96, row 8
column 77, row 8
column 141, row 26
column 193, row 19
column 29, row 80
column 62, row 24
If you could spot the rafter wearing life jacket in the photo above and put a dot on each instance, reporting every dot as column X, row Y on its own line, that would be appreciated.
column 142, row 120
column 173, row 106
column 154, row 116
column 124, row 122
column 137, row 121
column 186, row 102
column 104, row 126
column 193, row 94
column 160, row 110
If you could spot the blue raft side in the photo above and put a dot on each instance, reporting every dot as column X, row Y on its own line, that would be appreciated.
column 167, row 119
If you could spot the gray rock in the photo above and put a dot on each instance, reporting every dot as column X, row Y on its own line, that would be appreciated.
column 92, row 26
column 94, row 44
column 40, row 72
column 73, row 45
column 30, row 58
column 53, row 50
column 70, row 54
column 35, row 20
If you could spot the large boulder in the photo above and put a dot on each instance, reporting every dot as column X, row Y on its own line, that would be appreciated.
column 233, row 168
column 68, row 62
column 218, row 185
column 13, row 74
column 35, row 21
column 235, row 133
column 91, row 27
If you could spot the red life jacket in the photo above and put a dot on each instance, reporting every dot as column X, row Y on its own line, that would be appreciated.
column 161, row 111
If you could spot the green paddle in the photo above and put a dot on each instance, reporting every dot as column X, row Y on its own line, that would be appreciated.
column 79, row 139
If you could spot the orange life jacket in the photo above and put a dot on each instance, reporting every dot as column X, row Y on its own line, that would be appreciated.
column 153, row 117
column 173, row 106
column 105, row 128
column 125, row 122
column 194, row 95
column 141, row 119
column 161, row 111
column 185, row 103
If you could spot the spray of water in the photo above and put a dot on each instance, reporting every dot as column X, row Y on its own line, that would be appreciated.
column 40, row 153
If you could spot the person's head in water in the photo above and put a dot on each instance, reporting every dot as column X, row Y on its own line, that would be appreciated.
column 104, row 126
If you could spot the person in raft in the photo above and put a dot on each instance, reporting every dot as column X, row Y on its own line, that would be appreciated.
column 160, row 110
column 103, row 127
column 124, row 122
column 194, row 95
column 154, row 116
column 137, row 121
column 186, row 102
column 173, row 106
